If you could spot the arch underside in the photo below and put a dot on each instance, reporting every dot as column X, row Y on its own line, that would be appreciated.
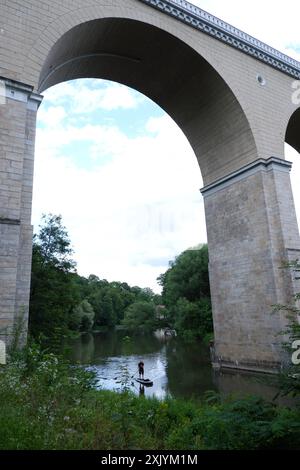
column 293, row 131
column 170, row 73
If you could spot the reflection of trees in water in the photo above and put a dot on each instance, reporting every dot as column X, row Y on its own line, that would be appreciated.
column 83, row 349
column 188, row 368
column 245, row 384
column 90, row 348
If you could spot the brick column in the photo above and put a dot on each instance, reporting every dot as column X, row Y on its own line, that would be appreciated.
column 18, row 107
column 252, row 231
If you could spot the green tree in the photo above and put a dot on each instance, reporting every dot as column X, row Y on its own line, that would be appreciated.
column 187, row 277
column 193, row 319
column 54, row 293
column 61, row 300
column 102, row 303
column 143, row 294
column 186, row 293
column 140, row 317
column 54, row 244
column 83, row 316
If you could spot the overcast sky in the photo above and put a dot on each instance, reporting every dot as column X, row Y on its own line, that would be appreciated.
column 120, row 171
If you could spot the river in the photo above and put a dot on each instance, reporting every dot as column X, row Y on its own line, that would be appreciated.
column 177, row 369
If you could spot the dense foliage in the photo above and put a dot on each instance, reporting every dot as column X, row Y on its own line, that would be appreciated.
column 53, row 290
column 62, row 301
column 186, row 293
column 83, row 317
column 141, row 316
column 52, row 405
column 110, row 300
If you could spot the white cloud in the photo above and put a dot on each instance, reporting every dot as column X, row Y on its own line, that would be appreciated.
column 52, row 117
column 127, row 218
column 86, row 96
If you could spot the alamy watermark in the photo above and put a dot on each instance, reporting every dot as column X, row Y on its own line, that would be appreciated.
column 2, row 353
column 296, row 92
column 296, row 354
column 2, row 92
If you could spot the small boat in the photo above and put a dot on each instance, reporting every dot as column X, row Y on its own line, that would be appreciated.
column 146, row 382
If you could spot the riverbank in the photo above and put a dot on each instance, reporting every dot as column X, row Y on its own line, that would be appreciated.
column 48, row 404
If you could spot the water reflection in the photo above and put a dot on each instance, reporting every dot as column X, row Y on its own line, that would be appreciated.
column 176, row 368
column 188, row 369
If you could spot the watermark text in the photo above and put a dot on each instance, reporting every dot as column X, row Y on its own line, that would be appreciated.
column 2, row 353
column 296, row 354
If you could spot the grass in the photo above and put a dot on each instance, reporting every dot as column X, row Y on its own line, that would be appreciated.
column 48, row 404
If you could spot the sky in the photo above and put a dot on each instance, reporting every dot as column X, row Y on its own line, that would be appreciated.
column 120, row 171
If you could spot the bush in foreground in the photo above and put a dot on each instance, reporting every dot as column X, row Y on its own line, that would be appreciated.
column 48, row 404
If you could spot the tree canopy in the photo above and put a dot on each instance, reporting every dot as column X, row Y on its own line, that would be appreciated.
column 140, row 317
column 53, row 292
column 186, row 293
column 62, row 301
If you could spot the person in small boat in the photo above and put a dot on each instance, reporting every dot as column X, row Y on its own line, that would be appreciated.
column 141, row 369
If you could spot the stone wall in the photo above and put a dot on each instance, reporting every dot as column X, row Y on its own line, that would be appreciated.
column 251, row 226
column 17, row 137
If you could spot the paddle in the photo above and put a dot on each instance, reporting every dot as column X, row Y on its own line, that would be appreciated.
column 134, row 374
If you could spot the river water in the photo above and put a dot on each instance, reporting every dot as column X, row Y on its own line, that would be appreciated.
column 177, row 369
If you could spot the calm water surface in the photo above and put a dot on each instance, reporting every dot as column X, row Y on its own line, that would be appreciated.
column 177, row 369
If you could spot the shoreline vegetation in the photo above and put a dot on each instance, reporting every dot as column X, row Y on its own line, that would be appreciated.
column 63, row 303
column 51, row 404
column 48, row 403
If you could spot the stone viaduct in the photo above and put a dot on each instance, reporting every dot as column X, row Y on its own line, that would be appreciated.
column 232, row 97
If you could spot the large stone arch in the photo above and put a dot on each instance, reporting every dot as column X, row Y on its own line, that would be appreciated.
column 168, row 71
column 229, row 104
column 252, row 98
